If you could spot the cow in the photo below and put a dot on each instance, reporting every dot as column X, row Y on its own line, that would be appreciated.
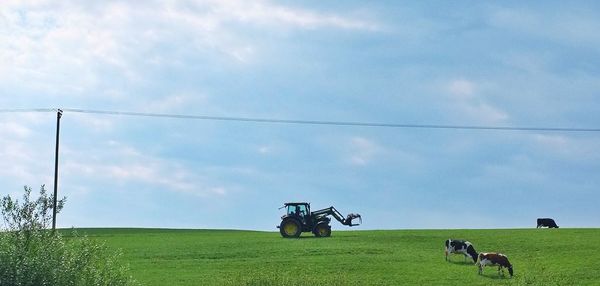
column 548, row 222
column 460, row 246
column 494, row 259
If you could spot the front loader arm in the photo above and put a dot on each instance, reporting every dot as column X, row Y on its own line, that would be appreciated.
column 338, row 216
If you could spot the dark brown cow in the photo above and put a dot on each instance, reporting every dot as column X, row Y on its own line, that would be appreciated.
column 494, row 259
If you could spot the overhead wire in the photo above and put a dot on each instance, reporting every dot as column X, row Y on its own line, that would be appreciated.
column 334, row 123
column 19, row 110
column 311, row 122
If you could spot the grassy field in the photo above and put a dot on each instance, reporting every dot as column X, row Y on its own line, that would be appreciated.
column 396, row 257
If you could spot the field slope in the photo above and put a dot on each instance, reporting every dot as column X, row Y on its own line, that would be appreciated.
column 396, row 257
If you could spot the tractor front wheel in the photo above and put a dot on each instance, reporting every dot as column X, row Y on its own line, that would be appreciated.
column 322, row 230
column 290, row 228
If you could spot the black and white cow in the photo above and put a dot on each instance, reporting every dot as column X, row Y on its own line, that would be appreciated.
column 460, row 246
column 546, row 222
column 494, row 259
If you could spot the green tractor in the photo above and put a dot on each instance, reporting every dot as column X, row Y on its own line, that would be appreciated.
column 299, row 218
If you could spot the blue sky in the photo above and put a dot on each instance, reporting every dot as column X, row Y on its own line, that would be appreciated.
column 504, row 63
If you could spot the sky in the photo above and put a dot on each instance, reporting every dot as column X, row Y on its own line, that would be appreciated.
column 475, row 63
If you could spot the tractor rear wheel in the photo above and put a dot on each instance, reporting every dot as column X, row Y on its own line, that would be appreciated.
column 290, row 228
column 322, row 230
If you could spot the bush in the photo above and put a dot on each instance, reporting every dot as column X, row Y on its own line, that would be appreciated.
column 31, row 254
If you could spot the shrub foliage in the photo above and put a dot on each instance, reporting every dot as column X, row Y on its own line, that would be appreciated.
column 31, row 254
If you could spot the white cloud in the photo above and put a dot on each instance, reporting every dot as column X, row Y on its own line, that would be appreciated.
column 264, row 149
column 219, row 191
column 17, row 163
column 557, row 142
column 14, row 129
column 175, row 102
column 572, row 25
column 26, row 149
column 532, row 62
column 265, row 13
column 90, row 122
column 566, row 147
column 363, row 151
column 519, row 168
column 484, row 112
column 461, row 88
column 121, row 164
column 468, row 101
column 73, row 47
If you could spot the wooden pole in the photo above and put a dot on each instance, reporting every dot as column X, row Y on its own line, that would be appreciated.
column 58, row 116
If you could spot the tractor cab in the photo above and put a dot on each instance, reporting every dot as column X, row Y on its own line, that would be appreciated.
column 300, row 210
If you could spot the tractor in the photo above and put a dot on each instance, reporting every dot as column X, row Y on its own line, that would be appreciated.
column 299, row 218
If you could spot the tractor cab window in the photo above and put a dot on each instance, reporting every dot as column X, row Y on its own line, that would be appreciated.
column 299, row 210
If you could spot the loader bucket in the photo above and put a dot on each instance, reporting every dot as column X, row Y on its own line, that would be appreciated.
column 352, row 216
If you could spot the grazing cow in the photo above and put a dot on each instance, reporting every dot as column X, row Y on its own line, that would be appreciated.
column 494, row 259
column 460, row 246
column 546, row 222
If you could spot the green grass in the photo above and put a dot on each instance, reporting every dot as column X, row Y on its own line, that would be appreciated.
column 395, row 257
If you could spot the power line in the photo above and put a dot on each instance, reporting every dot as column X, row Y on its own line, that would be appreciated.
column 336, row 123
column 16, row 110
column 310, row 122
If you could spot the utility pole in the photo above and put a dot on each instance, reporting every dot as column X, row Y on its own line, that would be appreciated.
column 58, row 116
